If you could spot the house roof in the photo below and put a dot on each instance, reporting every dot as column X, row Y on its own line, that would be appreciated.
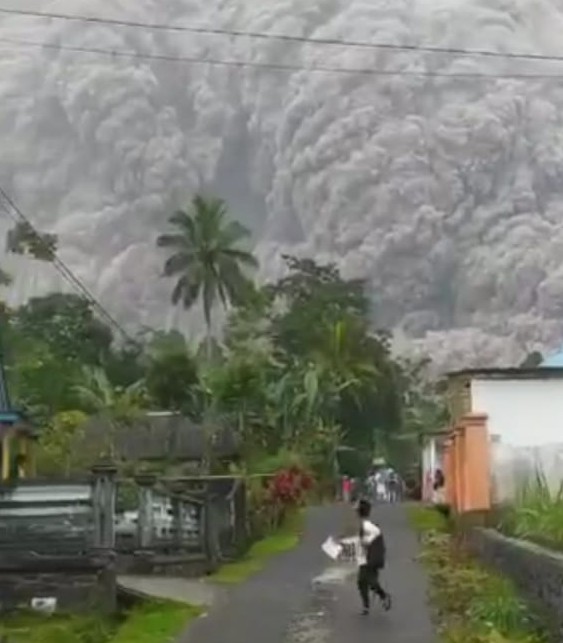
column 553, row 361
column 163, row 436
column 538, row 373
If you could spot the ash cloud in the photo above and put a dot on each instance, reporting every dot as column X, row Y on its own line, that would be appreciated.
column 447, row 193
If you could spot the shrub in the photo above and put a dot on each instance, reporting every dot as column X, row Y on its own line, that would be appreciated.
column 472, row 604
column 536, row 514
column 289, row 487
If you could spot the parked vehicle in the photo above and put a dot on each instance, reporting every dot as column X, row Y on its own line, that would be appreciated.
column 126, row 524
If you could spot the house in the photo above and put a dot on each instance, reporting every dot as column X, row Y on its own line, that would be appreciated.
column 17, row 437
column 524, row 406
column 163, row 436
column 553, row 361
column 521, row 412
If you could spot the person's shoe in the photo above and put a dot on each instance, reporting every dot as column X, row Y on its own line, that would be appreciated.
column 365, row 611
column 387, row 602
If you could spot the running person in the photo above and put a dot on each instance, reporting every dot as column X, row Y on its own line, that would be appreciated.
column 370, row 556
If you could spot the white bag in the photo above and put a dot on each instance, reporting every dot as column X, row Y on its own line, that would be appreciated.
column 331, row 548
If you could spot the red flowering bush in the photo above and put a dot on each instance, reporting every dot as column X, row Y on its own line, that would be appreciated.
column 273, row 498
column 289, row 487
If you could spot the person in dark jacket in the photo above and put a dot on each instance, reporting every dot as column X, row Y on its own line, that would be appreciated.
column 370, row 556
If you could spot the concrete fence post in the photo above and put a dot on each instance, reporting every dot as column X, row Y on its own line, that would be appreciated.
column 178, row 519
column 211, row 540
column 103, row 482
column 145, row 526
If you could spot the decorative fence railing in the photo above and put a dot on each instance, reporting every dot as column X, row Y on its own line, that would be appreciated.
column 72, row 539
column 169, row 516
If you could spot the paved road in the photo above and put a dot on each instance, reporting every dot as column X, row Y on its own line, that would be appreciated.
column 302, row 598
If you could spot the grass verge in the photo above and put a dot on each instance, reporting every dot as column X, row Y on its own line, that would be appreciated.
column 471, row 604
column 35, row 628
column 150, row 622
column 155, row 622
column 282, row 540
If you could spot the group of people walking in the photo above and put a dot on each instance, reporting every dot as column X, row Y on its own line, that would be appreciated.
column 381, row 485
column 385, row 485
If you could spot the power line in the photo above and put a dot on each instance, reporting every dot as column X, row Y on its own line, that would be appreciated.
column 282, row 67
column 17, row 215
column 273, row 36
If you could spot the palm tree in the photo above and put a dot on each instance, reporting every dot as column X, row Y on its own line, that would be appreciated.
column 206, row 257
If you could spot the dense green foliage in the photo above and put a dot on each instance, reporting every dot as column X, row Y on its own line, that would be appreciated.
column 298, row 368
column 472, row 605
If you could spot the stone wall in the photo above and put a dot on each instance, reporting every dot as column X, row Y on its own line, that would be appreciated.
column 536, row 571
column 152, row 563
column 78, row 583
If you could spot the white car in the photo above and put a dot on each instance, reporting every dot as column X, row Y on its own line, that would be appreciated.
column 163, row 522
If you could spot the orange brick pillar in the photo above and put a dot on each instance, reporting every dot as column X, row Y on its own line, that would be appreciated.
column 448, row 471
column 459, row 468
column 477, row 456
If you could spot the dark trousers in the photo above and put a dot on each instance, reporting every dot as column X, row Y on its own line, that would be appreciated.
column 368, row 580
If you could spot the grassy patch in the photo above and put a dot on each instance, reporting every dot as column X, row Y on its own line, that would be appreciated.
column 150, row 622
column 536, row 514
column 472, row 605
column 282, row 540
column 424, row 519
column 155, row 622
column 36, row 628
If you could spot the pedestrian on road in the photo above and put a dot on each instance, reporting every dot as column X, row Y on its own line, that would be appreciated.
column 346, row 489
column 393, row 484
column 370, row 556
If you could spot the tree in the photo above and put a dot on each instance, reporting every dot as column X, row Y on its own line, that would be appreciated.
column 118, row 407
column 241, row 390
column 126, row 364
column 40, row 382
column 424, row 410
column 67, row 325
column 323, row 319
column 313, row 297
column 206, row 257
column 99, row 396
column 172, row 380
column 532, row 360
column 58, row 442
column 23, row 239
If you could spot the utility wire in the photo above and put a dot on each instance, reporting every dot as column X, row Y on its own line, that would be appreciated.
column 17, row 215
column 274, row 36
column 282, row 67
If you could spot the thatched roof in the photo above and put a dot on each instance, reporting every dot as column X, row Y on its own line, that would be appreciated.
column 162, row 436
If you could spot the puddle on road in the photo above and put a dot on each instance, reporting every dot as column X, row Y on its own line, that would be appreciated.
column 334, row 575
column 313, row 624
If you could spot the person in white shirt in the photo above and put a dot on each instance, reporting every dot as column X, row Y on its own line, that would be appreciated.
column 370, row 558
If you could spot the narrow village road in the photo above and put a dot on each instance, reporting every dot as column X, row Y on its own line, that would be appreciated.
column 302, row 597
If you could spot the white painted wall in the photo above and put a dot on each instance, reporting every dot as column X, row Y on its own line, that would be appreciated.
column 527, row 417
column 431, row 461
column 521, row 412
